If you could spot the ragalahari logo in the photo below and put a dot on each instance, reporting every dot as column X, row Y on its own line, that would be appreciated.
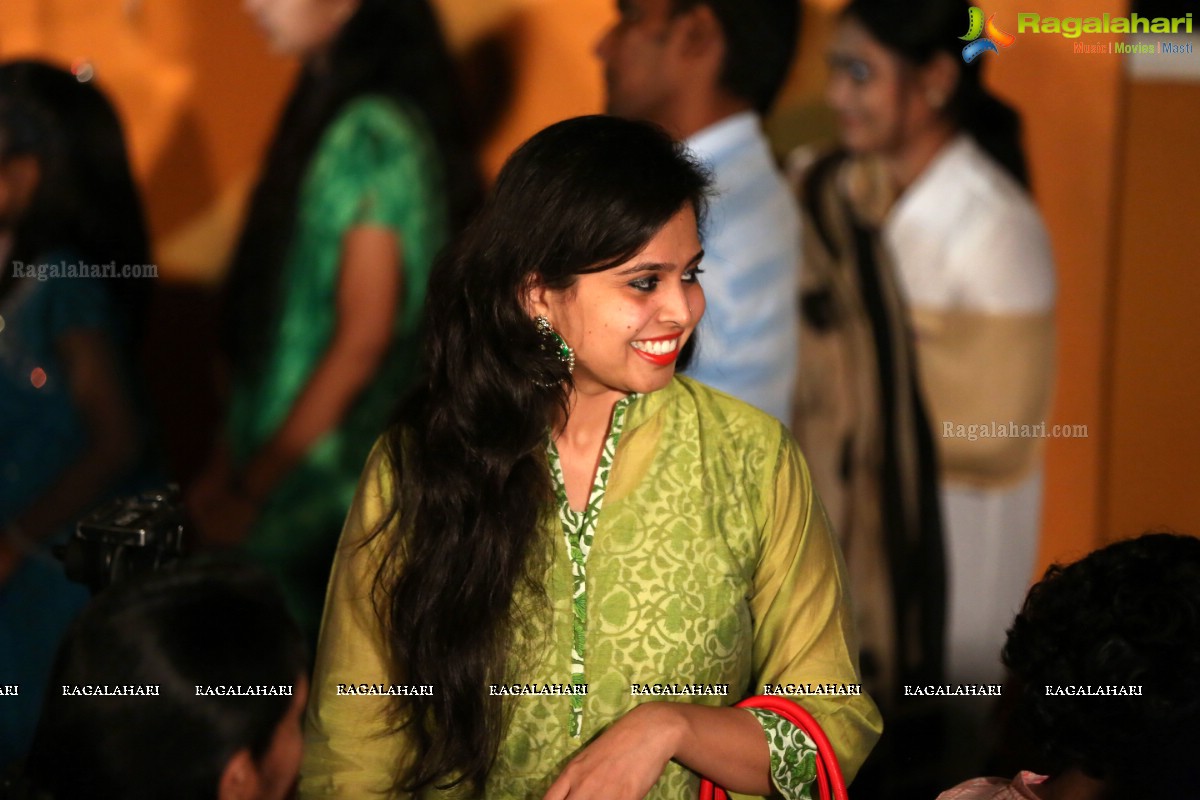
column 976, row 28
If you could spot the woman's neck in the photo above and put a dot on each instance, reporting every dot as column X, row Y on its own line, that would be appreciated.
column 589, row 416
column 580, row 442
column 913, row 156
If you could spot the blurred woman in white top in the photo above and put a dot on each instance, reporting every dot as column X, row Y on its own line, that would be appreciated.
column 973, row 262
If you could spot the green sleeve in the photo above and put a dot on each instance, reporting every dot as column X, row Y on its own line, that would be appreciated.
column 804, row 625
column 350, row 748
column 378, row 165
column 793, row 756
column 379, row 161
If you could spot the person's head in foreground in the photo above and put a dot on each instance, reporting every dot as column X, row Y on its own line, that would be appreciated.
column 1127, row 615
column 591, row 227
column 218, row 625
column 900, row 86
column 684, row 64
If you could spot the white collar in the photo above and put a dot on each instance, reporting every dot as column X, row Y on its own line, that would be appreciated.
column 945, row 163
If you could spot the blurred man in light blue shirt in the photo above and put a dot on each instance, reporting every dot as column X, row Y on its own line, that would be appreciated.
column 707, row 70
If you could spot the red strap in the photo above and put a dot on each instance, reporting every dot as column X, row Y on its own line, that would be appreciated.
column 830, row 783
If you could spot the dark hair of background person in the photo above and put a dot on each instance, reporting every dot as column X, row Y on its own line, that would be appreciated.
column 1126, row 615
column 469, row 451
column 760, row 41
column 918, row 31
column 194, row 625
column 393, row 48
column 86, row 201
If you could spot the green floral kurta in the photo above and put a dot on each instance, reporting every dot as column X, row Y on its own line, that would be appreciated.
column 709, row 562
column 375, row 165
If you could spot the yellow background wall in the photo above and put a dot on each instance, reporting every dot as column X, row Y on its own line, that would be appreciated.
column 199, row 94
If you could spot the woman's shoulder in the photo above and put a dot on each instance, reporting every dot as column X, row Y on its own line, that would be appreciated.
column 382, row 114
column 967, row 235
column 65, row 285
column 380, row 118
column 740, row 448
column 824, row 176
column 988, row 189
column 723, row 417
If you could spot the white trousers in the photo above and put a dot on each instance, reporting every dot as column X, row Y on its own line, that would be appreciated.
column 992, row 541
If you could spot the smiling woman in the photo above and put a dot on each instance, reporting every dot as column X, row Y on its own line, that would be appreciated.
column 579, row 533
column 629, row 323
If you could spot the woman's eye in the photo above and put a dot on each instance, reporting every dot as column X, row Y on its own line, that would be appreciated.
column 644, row 284
column 692, row 275
column 856, row 69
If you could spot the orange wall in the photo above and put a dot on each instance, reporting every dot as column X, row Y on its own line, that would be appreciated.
column 549, row 44
column 198, row 95
column 1117, row 175
column 1071, row 105
column 1152, row 472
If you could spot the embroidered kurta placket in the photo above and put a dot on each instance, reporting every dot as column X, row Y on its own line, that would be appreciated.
column 579, row 528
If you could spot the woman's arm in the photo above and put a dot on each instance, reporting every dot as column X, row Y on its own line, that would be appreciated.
column 350, row 752
column 990, row 355
column 369, row 286
column 113, row 439
column 804, row 629
column 368, row 296
column 725, row 744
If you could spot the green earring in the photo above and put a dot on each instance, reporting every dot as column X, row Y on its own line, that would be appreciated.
column 553, row 342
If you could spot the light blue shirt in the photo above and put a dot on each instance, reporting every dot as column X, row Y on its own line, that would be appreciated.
column 749, row 336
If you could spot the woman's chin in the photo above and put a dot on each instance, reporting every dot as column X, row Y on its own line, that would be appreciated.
column 855, row 144
column 659, row 380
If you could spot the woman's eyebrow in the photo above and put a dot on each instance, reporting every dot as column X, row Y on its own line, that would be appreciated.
column 659, row 266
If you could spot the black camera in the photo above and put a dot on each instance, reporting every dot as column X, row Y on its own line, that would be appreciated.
column 125, row 537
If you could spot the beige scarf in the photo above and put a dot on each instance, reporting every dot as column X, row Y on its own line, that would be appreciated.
column 860, row 419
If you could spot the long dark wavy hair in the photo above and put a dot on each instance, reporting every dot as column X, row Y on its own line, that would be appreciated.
column 468, row 453
column 918, row 31
column 393, row 48
column 86, row 200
